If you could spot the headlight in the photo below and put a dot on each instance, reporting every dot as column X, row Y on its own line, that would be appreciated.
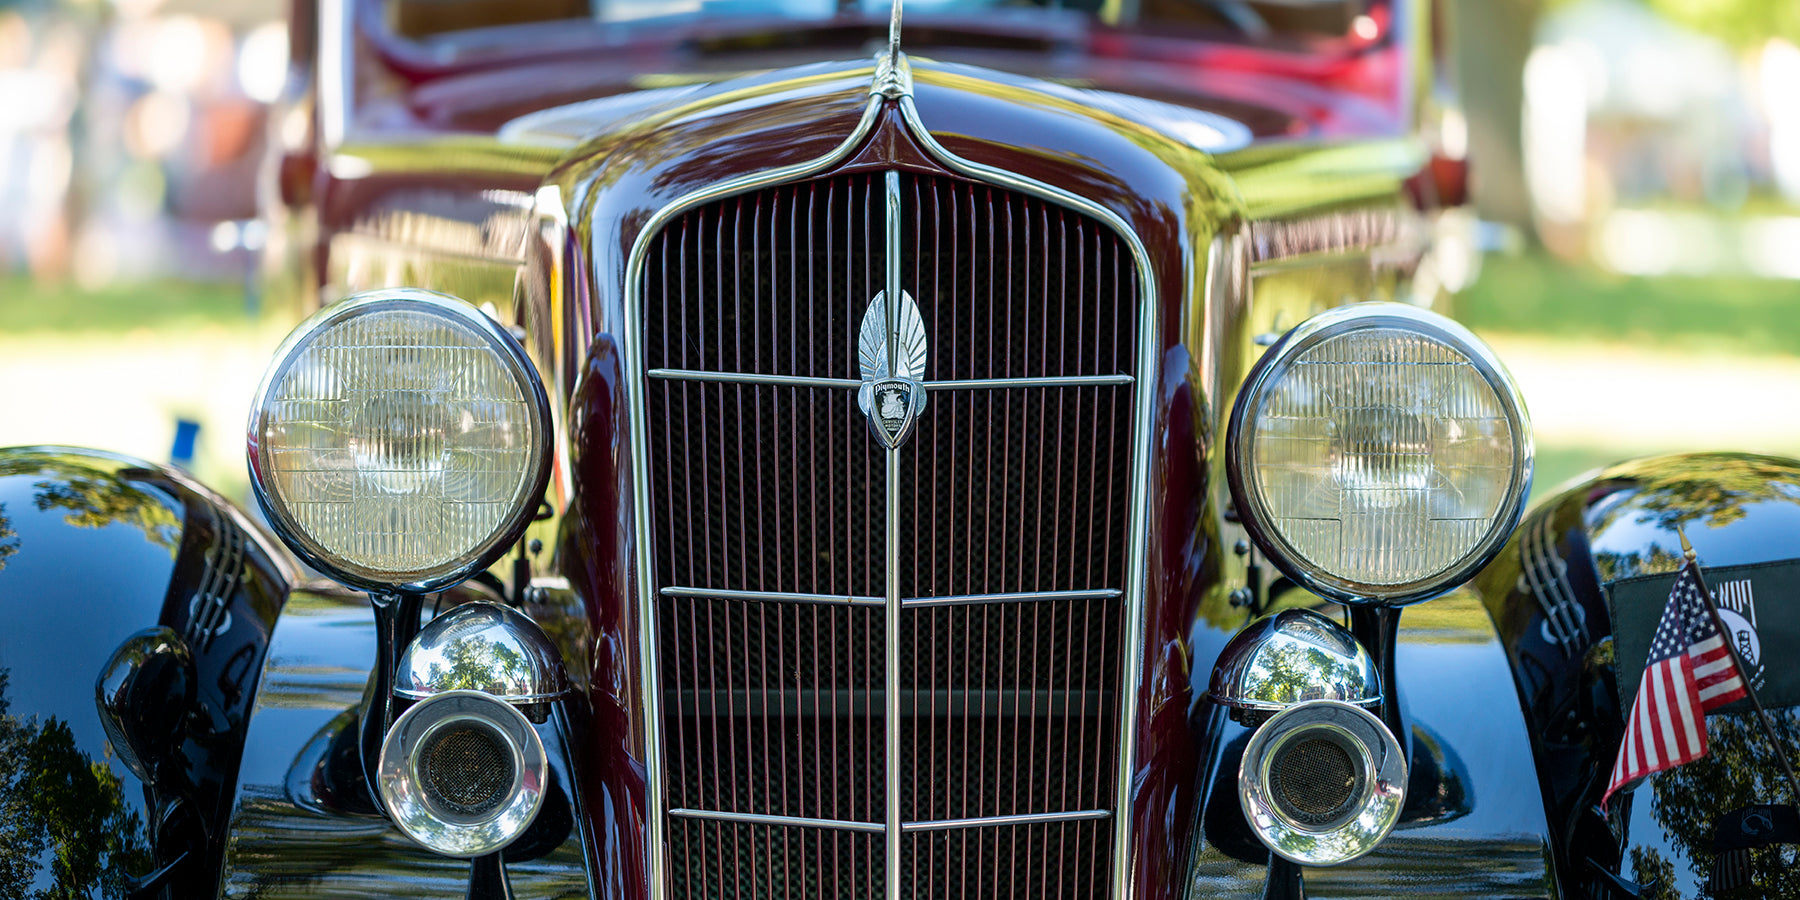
column 399, row 440
column 1379, row 453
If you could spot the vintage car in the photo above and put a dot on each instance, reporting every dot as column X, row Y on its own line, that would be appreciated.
column 1061, row 380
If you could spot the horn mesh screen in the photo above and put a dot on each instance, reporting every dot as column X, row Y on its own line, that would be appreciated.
column 465, row 769
column 1314, row 780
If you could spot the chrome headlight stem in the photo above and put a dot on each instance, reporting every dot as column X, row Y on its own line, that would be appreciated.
column 396, row 623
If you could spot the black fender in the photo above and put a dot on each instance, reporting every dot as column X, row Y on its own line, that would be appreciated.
column 1553, row 593
column 97, row 549
column 304, row 824
column 1472, row 826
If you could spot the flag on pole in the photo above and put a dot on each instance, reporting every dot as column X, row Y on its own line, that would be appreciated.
column 1689, row 672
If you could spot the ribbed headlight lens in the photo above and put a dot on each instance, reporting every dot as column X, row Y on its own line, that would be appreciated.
column 399, row 440
column 1380, row 453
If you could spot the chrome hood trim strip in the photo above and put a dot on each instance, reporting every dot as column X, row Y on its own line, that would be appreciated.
column 892, row 85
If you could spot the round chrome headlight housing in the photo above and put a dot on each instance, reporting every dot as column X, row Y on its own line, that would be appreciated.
column 1379, row 453
column 400, row 440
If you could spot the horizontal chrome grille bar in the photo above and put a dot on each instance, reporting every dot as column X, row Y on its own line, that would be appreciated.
column 907, row 603
column 1025, row 597
column 959, row 385
column 751, row 378
column 876, row 827
column 996, row 821
column 812, row 703
column 791, row 821
column 772, row 596
column 1054, row 381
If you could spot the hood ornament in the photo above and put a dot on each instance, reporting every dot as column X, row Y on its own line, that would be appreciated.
column 893, row 75
column 893, row 388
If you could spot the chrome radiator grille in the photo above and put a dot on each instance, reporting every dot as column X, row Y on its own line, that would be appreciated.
column 788, row 545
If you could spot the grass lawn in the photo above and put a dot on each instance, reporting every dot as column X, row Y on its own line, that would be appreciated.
column 172, row 306
column 116, row 369
column 1556, row 465
column 1616, row 367
column 1535, row 294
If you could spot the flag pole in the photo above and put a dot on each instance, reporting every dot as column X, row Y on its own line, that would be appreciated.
column 1712, row 609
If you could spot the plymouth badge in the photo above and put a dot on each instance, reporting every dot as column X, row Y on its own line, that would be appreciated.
column 892, row 352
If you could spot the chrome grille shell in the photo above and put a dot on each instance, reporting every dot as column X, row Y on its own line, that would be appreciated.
column 897, row 600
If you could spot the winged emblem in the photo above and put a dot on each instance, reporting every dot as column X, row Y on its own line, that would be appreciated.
column 893, row 368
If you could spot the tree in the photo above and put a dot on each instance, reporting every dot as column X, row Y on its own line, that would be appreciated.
column 1738, row 770
column 55, row 798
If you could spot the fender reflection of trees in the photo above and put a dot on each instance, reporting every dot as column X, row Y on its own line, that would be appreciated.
column 1738, row 769
column 9, row 538
column 93, row 498
column 53, row 797
column 1715, row 490
column 1654, row 873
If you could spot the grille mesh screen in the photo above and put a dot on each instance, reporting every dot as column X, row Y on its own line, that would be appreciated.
column 776, row 707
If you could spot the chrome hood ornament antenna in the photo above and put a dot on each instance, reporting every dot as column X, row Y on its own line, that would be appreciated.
column 893, row 76
column 892, row 352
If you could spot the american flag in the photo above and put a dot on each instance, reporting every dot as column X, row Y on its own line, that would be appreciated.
column 1730, row 871
column 1690, row 671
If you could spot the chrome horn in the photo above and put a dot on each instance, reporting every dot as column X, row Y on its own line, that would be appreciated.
column 463, row 771
column 1322, row 783
column 1290, row 657
column 1322, row 779
column 484, row 647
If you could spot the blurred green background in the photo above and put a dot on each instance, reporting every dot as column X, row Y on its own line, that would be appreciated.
column 1698, row 363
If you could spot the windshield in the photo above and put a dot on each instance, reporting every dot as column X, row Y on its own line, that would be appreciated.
column 1281, row 21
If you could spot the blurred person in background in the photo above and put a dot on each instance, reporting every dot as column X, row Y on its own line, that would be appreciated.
column 41, row 59
column 176, row 112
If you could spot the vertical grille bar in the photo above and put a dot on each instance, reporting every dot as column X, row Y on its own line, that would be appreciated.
column 890, row 683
